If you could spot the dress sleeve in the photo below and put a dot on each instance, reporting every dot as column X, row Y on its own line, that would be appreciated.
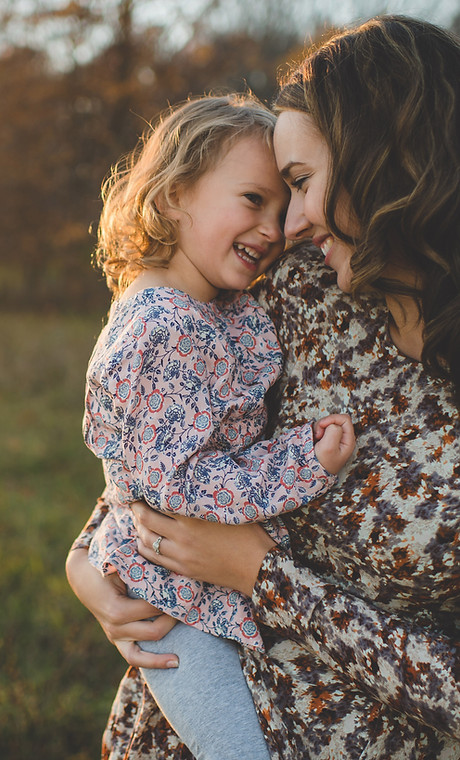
column 155, row 390
column 83, row 541
column 413, row 669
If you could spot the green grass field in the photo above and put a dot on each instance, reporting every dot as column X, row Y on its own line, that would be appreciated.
column 58, row 673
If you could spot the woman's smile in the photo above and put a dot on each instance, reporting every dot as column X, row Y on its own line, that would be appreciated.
column 303, row 159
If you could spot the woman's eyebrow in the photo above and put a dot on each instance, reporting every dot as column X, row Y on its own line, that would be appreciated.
column 286, row 170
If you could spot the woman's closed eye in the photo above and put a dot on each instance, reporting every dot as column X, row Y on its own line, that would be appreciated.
column 300, row 183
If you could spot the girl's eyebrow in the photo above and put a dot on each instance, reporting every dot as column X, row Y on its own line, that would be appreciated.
column 257, row 186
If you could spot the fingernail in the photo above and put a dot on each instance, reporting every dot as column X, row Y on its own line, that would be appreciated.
column 172, row 664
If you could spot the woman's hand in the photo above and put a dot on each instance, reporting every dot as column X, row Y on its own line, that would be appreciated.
column 123, row 620
column 226, row 555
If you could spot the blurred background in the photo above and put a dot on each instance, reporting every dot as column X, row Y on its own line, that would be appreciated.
column 78, row 82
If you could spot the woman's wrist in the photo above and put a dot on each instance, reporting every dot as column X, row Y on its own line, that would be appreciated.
column 255, row 563
column 265, row 571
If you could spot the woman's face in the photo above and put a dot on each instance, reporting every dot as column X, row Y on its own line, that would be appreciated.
column 303, row 158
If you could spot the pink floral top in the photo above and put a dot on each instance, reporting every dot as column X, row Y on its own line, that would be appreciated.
column 175, row 409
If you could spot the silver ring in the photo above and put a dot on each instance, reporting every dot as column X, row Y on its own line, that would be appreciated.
column 156, row 544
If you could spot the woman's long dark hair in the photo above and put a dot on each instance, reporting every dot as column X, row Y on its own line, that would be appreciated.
column 386, row 97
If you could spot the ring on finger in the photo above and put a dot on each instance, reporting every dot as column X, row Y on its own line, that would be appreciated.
column 156, row 544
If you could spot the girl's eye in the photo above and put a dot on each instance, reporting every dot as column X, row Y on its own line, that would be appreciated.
column 254, row 198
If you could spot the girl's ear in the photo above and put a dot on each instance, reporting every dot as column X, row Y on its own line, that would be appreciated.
column 170, row 207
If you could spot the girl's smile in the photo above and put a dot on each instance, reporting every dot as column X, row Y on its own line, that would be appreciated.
column 230, row 222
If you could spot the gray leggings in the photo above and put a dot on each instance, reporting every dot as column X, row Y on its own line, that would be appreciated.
column 206, row 699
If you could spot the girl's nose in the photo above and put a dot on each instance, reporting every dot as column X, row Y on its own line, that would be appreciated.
column 272, row 228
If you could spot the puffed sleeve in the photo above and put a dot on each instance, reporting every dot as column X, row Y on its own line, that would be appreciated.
column 413, row 669
column 84, row 539
column 156, row 396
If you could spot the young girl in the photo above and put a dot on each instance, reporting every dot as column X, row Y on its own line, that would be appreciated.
column 176, row 386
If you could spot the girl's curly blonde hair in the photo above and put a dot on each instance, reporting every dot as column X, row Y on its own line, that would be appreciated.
column 187, row 141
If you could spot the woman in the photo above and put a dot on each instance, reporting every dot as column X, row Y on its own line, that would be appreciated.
column 361, row 626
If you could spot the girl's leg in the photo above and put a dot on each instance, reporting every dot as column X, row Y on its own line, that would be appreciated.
column 206, row 699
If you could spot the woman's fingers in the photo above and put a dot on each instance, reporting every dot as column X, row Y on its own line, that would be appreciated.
column 134, row 655
column 119, row 607
column 166, row 558
column 124, row 620
column 138, row 630
column 149, row 521
column 126, row 635
column 127, row 610
column 227, row 555
column 125, row 638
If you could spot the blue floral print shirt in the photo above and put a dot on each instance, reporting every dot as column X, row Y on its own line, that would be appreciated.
column 175, row 409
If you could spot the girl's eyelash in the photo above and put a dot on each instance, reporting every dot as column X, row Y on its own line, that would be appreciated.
column 254, row 198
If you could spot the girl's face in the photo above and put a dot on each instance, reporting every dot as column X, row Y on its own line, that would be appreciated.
column 303, row 159
column 230, row 222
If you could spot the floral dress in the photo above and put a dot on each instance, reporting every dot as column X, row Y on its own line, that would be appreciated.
column 361, row 623
column 175, row 407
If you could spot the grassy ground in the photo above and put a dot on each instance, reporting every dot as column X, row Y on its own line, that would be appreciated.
column 58, row 673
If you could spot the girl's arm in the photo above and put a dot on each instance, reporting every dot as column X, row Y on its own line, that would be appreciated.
column 413, row 670
column 170, row 438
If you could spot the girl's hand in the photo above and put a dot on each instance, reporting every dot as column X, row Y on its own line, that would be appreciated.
column 334, row 441
column 226, row 555
column 123, row 620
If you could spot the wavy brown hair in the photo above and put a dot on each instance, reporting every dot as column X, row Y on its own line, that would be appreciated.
column 385, row 96
column 134, row 233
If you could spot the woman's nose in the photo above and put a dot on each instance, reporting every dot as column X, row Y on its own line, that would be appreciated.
column 296, row 226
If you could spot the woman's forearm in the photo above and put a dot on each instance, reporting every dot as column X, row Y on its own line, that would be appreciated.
column 225, row 555
column 123, row 620
column 402, row 665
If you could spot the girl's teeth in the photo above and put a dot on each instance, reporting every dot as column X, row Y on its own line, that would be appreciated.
column 326, row 246
column 247, row 252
